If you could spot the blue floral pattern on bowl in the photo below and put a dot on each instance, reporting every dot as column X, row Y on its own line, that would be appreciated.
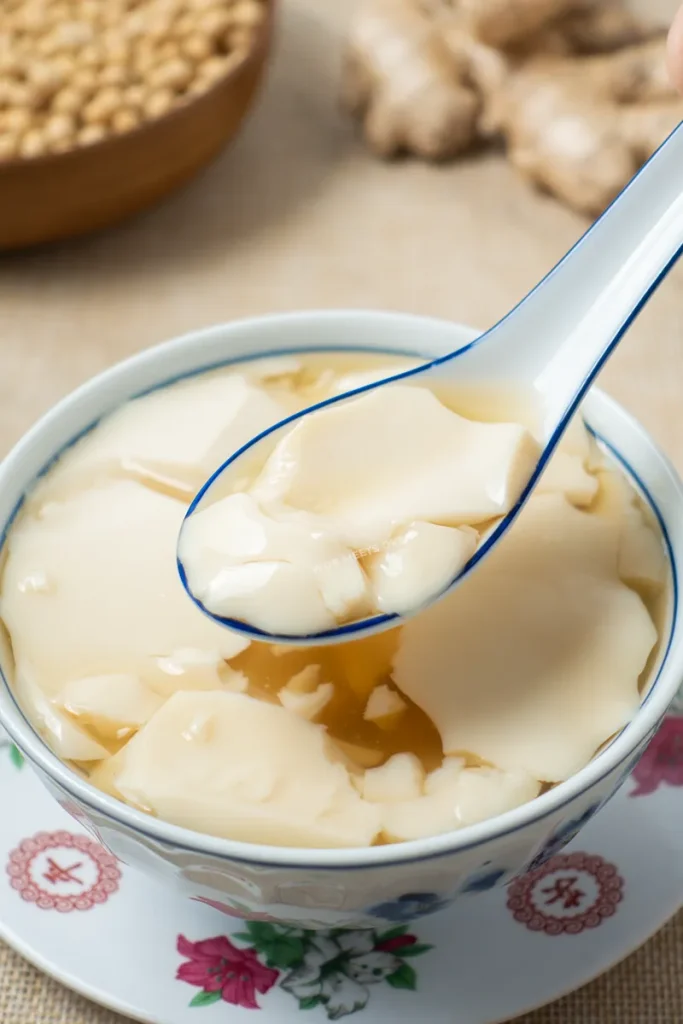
column 564, row 835
column 484, row 881
column 409, row 906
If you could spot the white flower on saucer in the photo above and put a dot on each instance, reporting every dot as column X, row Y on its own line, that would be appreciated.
column 343, row 996
column 337, row 970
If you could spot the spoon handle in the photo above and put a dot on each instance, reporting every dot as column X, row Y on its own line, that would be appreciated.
column 560, row 335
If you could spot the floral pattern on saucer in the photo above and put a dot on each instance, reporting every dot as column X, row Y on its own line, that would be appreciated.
column 334, row 970
column 223, row 971
column 15, row 755
column 662, row 761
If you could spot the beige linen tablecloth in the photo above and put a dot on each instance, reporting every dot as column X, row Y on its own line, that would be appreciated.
column 297, row 215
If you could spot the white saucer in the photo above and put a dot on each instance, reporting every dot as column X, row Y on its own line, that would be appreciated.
column 119, row 939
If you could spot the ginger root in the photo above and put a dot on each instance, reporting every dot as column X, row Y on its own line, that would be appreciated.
column 401, row 79
column 581, row 128
column 577, row 89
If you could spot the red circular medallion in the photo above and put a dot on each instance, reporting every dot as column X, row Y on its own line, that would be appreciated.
column 62, row 871
column 566, row 895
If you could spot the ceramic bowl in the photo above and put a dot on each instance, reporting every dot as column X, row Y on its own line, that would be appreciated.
column 340, row 888
column 62, row 195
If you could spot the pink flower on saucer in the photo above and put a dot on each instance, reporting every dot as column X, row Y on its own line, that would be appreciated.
column 662, row 762
column 222, row 971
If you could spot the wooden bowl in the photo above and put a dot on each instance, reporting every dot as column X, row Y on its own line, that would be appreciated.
column 60, row 196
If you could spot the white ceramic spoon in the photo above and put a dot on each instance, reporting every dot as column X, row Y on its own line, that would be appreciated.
column 552, row 345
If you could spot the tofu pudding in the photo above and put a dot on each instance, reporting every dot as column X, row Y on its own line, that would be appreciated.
column 474, row 706
column 368, row 506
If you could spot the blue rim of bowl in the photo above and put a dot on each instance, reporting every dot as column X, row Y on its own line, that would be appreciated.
column 391, row 854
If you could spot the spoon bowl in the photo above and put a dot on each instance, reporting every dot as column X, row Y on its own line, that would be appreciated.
column 552, row 346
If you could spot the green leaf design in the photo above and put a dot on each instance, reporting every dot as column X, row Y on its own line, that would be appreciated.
column 417, row 950
column 393, row 933
column 262, row 933
column 205, row 998
column 284, row 952
column 279, row 949
column 16, row 756
column 404, row 977
column 310, row 1003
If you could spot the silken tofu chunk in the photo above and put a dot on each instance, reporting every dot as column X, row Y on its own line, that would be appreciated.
column 233, row 766
column 399, row 455
column 175, row 436
column 91, row 588
column 535, row 659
